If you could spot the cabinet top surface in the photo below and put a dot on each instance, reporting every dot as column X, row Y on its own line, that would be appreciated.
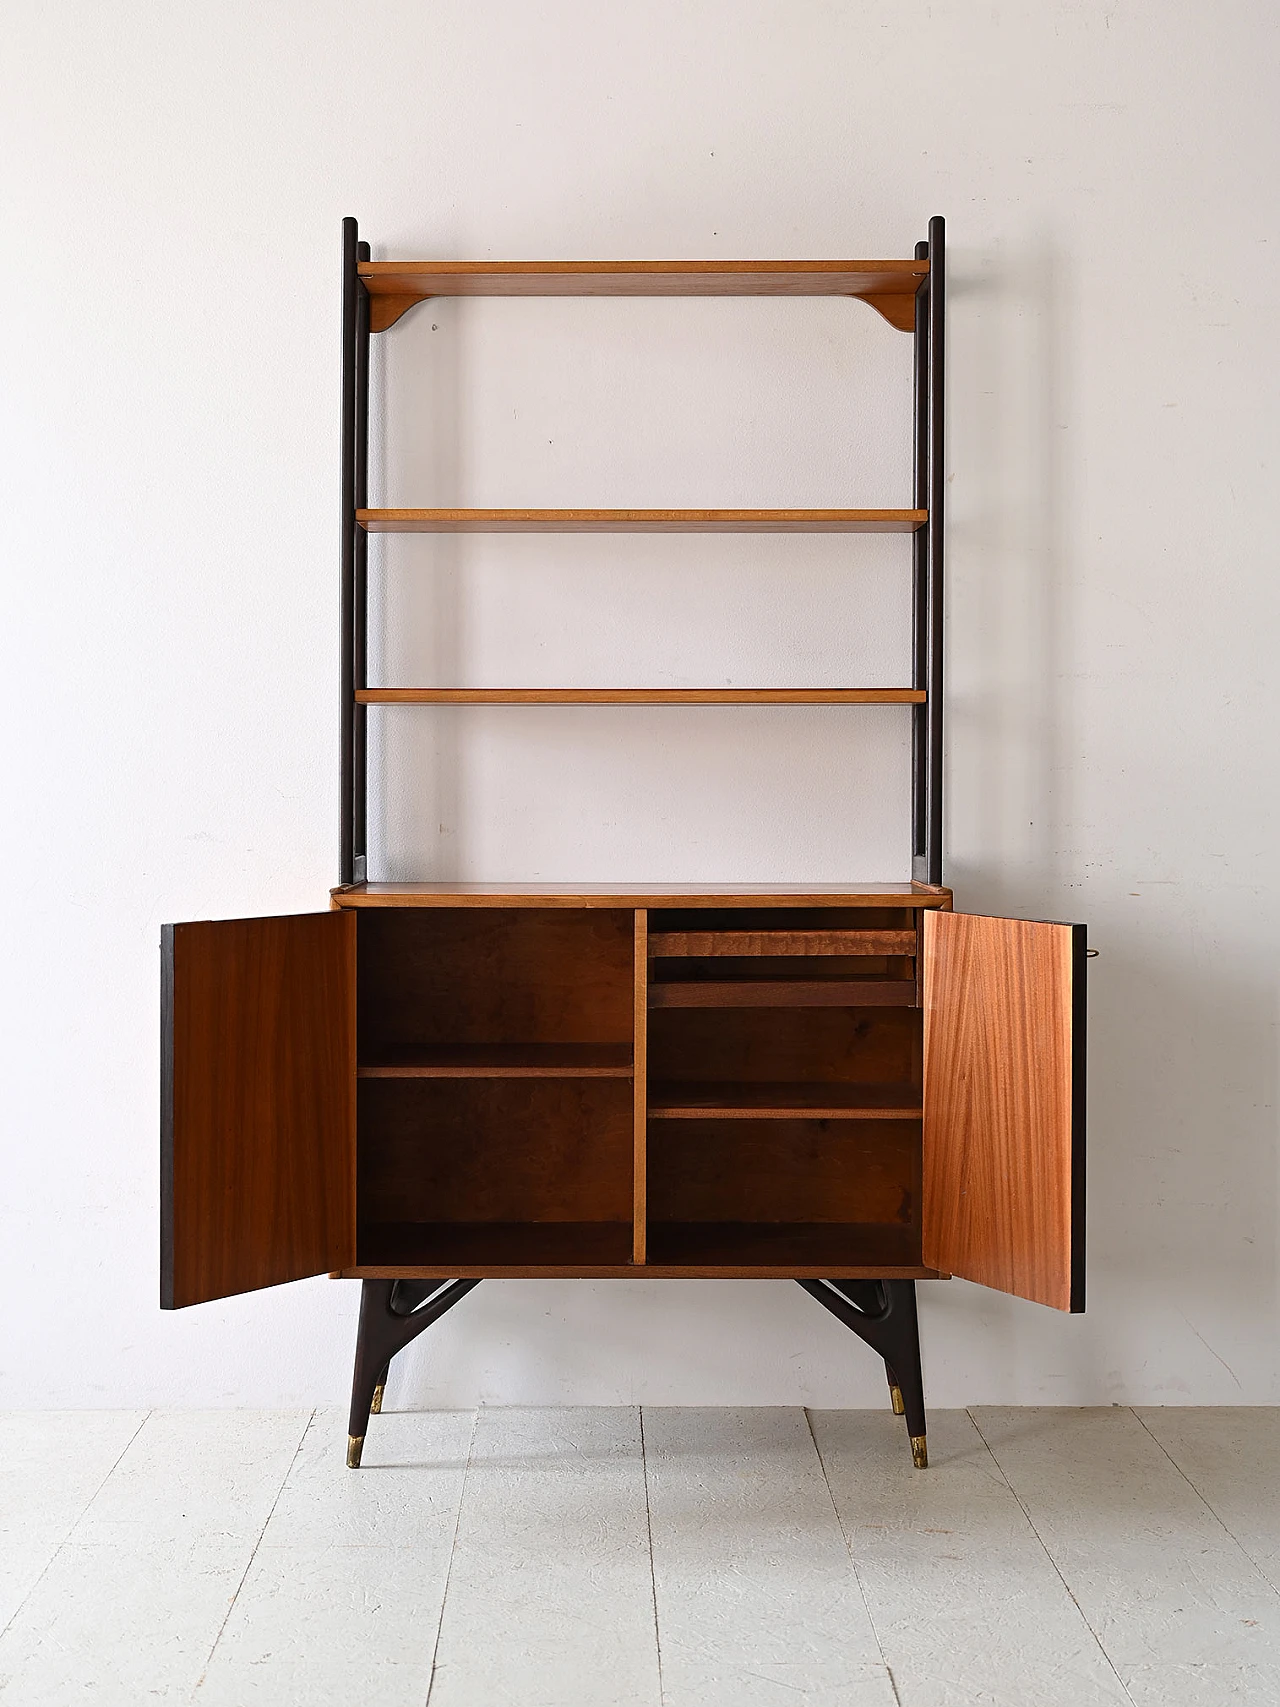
column 443, row 894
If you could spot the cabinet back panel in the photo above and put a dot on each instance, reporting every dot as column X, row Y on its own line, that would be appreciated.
column 807, row 1171
column 786, row 1045
column 513, row 1150
column 493, row 975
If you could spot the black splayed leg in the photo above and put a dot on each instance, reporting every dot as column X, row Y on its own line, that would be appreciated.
column 883, row 1314
column 392, row 1313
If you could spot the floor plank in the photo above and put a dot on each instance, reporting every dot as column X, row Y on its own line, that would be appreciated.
column 131, row 1605
column 1229, row 1455
column 405, row 1493
column 966, row 1604
column 330, row 1626
column 1159, row 1579
column 119, row 1625
column 192, row 1476
column 550, row 1599
column 342, row 1601
column 756, row 1598
column 53, row 1464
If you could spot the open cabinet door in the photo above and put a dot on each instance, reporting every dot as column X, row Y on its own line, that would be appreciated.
column 1004, row 1052
column 258, row 1098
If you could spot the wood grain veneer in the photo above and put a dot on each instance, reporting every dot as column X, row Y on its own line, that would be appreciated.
column 704, row 944
column 641, row 521
column 691, row 1100
column 503, row 1061
column 640, row 1039
column 257, row 1103
column 1003, row 1156
column 790, row 993
column 642, row 278
column 762, row 896
column 887, row 286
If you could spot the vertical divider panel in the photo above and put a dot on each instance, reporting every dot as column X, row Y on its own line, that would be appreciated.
column 640, row 1087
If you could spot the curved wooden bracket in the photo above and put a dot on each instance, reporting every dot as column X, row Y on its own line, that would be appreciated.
column 384, row 311
column 898, row 309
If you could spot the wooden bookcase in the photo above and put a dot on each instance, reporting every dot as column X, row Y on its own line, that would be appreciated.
column 853, row 1086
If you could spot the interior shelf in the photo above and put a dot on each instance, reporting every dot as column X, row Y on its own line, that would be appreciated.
column 785, row 993
column 641, row 521
column 494, row 1243
column 639, row 696
column 761, row 1101
column 770, row 1243
column 504, row 1061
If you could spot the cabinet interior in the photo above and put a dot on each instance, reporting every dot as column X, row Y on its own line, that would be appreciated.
column 774, row 1122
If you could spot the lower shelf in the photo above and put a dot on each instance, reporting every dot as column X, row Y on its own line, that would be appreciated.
column 771, row 1244
column 604, row 1248
column 517, row 1244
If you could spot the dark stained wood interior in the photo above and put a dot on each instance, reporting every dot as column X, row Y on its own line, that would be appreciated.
column 488, row 977
column 787, row 1046
column 495, row 1150
column 826, row 1248
column 455, row 1248
column 502, row 1061
column 794, row 1171
column 738, row 1101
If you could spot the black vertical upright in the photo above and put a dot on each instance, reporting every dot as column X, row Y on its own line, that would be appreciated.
column 346, row 651
column 937, row 491
column 920, row 582
column 360, row 635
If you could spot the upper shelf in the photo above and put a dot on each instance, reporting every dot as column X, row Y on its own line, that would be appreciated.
column 641, row 521
column 888, row 286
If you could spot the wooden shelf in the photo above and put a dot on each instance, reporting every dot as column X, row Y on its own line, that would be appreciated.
column 641, row 521
column 642, row 278
column 639, row 696
column 887, row 286
column 460, row 1245
column 506, row 1061
column 768, row 1243
column 701, row 945
column 745, row 1101
column 455, row 892
column 785, row 993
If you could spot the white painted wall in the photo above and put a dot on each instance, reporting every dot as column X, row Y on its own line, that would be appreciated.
column 174, row 178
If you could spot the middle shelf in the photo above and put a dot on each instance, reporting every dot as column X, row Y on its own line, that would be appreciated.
column 641, row 521
column 640, row 696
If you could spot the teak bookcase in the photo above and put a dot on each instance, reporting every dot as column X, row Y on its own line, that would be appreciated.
column 850, row 1085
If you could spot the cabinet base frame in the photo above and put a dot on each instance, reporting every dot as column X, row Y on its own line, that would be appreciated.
column 393, row 1312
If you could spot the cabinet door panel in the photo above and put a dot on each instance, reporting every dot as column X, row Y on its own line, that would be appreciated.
column 258, row 1077
column 1004, row 1050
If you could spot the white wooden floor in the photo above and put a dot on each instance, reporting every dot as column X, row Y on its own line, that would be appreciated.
column 605, row 1558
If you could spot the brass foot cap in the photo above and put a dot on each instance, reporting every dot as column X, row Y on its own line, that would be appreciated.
column 376, row 1406
column 895, row 1399
column 919, row 1452
column 355, row 1446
